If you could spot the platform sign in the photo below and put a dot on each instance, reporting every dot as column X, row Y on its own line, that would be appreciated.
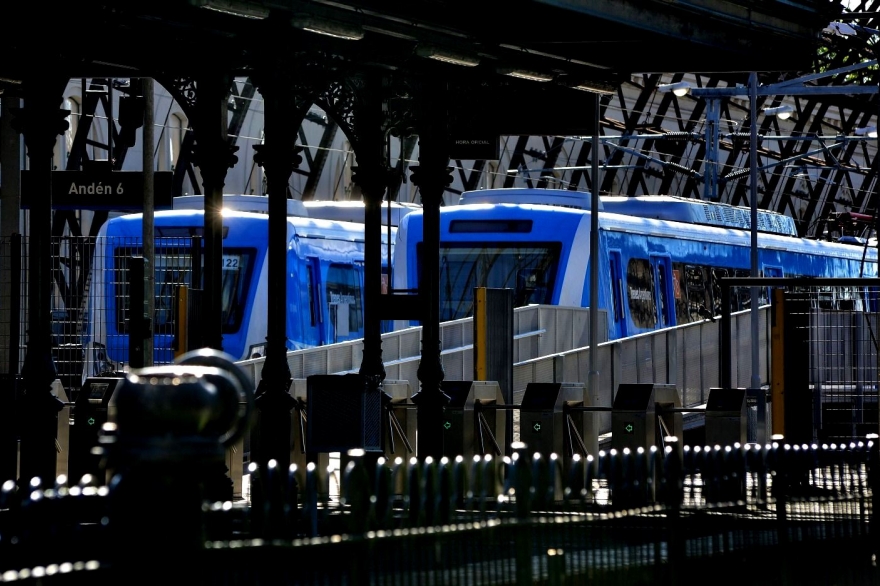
column 474, row 147
column 100, row 190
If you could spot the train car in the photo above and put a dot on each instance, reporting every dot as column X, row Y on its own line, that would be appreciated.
column 660, row 257
column 325, row 267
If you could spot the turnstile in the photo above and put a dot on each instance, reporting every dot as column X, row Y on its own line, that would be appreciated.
column 644, row 415
column 727, row 417
column 62, row 431
column 552, row 421
column 91, row 411
column 471, row 425
column 400, row 428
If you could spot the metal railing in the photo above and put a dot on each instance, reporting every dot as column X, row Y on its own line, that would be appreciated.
column 551, row 345
column 752, row 514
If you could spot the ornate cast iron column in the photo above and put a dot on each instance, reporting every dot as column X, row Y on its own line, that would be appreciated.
column 371, row 175
column 204, row 101
column 278, row 156
column 40, row 121
column 431, row 176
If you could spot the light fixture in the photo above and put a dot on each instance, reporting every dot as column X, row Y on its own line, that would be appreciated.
column 596, row 87
column 799, row 171
column 523, row 74
column 867, row 131
column 447, row 56
column 330, row 28
column 679, row 88
column 242, row 8
column 782, row 112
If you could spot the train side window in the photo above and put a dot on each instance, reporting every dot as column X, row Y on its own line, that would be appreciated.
column 344, row 300
column 717, row 274
column 700, row 292
column 314, row 295
column 680, row 296
column 640, row 291
column 693, row 301
column 616, row 285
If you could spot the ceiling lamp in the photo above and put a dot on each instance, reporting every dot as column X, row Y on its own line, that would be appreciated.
column 529, row 75
column 596, row 87
column 447, row 56
column 330, row 28
column 679, row 88
column 782, row 112
column 867, row 131
column 240, row 8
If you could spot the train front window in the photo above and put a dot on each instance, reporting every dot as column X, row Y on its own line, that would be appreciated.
column 528, row 269
column 174, row 269
column 235, row 275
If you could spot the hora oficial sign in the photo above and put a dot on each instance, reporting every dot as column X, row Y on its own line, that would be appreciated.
column 101, row 190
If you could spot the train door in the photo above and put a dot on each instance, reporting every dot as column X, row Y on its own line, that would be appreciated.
column 618, row 314
column 316, row 302
column 664, row 290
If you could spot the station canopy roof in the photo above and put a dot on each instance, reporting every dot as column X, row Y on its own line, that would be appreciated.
column 577, row 43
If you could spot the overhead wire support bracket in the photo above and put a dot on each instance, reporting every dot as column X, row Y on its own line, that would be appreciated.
column 795, row 87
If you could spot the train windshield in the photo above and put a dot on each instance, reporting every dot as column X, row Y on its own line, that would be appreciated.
column 528, row 269
column 174, row 270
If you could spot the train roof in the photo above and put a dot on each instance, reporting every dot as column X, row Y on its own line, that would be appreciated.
column 242, row 203
column 682, row 209
column 661, row 207
column 353, row 211
column 523, row 195
column 302, row 226
column 556, row 221
column 343, row 211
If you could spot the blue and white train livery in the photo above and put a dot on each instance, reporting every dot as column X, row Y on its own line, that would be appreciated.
column 325, row 276
column 660, row 257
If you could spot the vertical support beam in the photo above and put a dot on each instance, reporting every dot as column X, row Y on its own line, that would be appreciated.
column 278, row 156
column 10, row 224
column 724, row 344
column 710, row 184
column 214, row 157
column 431, row 176
column 592, row 386
column 777, row 361
column 755, row 273
column 10, row 284
column 148, row 224
column 799, row 399
column 40, row 121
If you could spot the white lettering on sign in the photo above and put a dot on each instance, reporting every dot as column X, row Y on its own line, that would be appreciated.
column 340, row 298
column 640, row 294
column 95, row 189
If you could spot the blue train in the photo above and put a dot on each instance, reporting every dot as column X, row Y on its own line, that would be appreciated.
column 325, row 265
column 660, row 257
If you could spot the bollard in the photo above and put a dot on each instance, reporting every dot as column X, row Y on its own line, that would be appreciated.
column 173, row 426
column 556, row 567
